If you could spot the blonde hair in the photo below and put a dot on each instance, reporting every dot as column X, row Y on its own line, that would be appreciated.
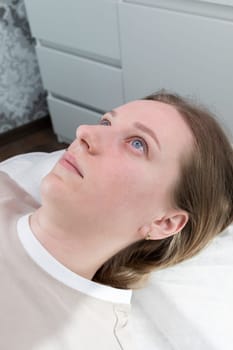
column 204, row 190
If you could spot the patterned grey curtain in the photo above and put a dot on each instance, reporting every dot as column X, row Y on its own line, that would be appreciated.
column 22, row 98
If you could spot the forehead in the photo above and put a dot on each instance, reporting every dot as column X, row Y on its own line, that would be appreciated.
column 147, row 110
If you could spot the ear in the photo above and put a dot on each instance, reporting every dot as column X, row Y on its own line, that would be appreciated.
column 167, row 225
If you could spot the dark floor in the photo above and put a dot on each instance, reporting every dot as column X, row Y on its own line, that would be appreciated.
column 38, row 137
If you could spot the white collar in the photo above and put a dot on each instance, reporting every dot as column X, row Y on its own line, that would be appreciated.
column 48, row 263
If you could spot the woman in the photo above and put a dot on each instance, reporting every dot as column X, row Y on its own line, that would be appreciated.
column 130, row 195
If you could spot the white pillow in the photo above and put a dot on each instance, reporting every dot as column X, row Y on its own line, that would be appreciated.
column 188, row 306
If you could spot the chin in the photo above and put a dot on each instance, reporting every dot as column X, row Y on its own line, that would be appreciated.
column 51, row 185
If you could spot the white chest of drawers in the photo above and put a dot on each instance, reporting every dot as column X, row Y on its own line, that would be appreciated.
column 97, row 54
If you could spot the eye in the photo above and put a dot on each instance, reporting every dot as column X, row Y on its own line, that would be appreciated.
column 140, row 144
column 101, row 122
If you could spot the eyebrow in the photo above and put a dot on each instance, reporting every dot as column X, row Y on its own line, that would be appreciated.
column 141, row 127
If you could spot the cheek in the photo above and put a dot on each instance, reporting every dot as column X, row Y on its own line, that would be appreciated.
column 124, row 186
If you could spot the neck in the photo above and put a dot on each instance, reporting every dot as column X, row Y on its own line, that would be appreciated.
column 80, row 253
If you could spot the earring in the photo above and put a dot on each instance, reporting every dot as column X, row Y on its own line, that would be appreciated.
column 147, row 238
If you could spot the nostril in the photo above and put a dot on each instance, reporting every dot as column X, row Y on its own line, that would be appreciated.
column 83, row 141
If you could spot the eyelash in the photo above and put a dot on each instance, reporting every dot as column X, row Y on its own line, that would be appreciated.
column 135, row 137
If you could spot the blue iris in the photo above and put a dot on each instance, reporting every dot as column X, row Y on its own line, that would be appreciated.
column 140, row 143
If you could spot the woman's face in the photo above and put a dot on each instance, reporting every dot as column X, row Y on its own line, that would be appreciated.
column 129, row 162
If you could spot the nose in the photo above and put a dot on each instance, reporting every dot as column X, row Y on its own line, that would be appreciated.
column 88, row 138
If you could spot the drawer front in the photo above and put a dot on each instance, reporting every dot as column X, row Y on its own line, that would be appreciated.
column 66, row 117
column 222, row 9
column 84, row 81
column 87, row 25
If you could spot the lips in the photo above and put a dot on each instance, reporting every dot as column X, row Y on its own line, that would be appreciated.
column 69, row 160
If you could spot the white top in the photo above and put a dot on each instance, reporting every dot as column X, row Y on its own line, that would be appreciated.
column 53, row 267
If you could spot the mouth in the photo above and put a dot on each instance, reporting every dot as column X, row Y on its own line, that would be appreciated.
column 69, row 162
